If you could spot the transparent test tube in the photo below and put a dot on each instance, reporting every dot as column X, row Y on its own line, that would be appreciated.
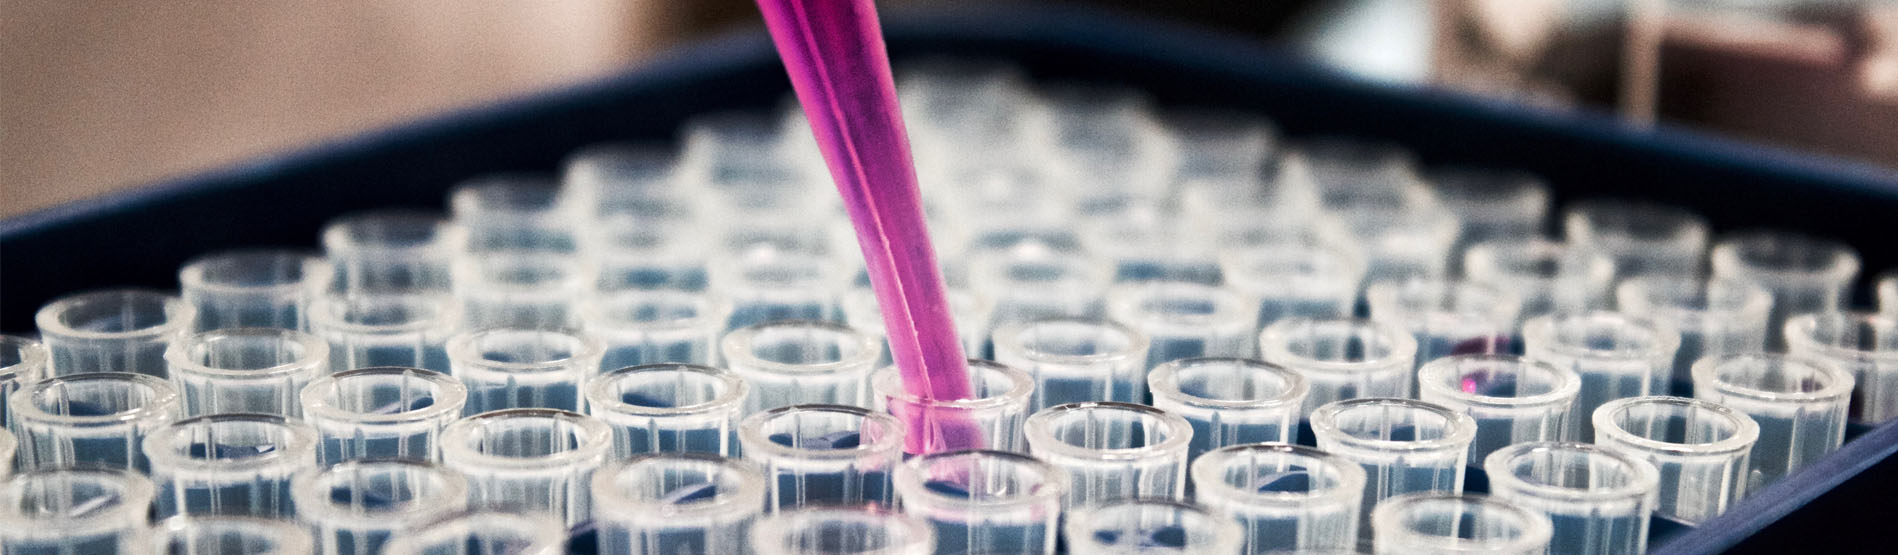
column 669, row 408
column 246, row 370
column 124, row 330
column 387, row 412
column 1112, row 450
column 223, row 535
column 1888, row 294
column 1804, row 274
column 1151, row 525
column 1284, row 497
column 7, row 447
column 1438, row 523
column 1076, row 361
column 522, row 212
column 1231, row 401
column 835, row 530
column 534, row 290
column 771, row 284
column 1597, row 499
column 1033, row 282
column 996, row 409
column 1342, row 359
column 254, row 288
column 523, row 368
column 1642, row 238
column 1512, row 399
column 1864, row 345
column 971, row 313
column 90, row 420
column 794, row 362
column 1714, row 317
column 229, row 464
column 676, row 503
column 403, row 329
column 356, row 507
column 1799, row 403
column 1615, row 354
column 69, row 511
column 1699, row 448
column 1185, row 320
column 1492, row 204
column 1546, row 275
column 1295, row 280
column 1404, row 445
column 1448, row 317
column 484, row 533
column 823, row 454
column 653, row 326
column 392, row 251
column 22, row 361
column 984, row 501
column 533, row 460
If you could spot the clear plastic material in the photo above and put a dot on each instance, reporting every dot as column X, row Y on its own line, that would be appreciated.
column 1150, row 526
column 676, row 503
column 1714, row 317
column 971, row 311
column 659, row 252
column 669, row 408
column 254, row 288
column 70, row 511
column 22, row 361
column 795, row 362
column 520, row 290
column 1597, row 499
column 246, row 370
column 520, row 368
column 1285, row 497
column 1112, row 450
column 600, row 178
column 1403, row 243
column 1295, row 280
column 1437, row 523
column 229, row 464
column 1799, row 403
column 387, row 412
column 1643, row 238
column 1448, row 317
column 90, row 420
column 1512, row 399
column 1185, row 320
column 514, row 212
column 842, row 531
column 769, row 284
column 984, row 501
column 654, row 326
column 356, row 507
column 226, row 535
column 7, row 447
column 1888, row 294
column 400, row 329
column 1230, row 401
column 823, row 454
column 1493, row 204
column 1864, row 345
column 1404, row 445
column 122, row 330
column 1033, row 282
column 1699, row 448
column 1615, row 354
column 533, row 460
column 392, row 251
column 483, row 533
column 1804, row 274
column 997, row 408
column 1342, row 359
column 1548, row 276
column 1076, row 361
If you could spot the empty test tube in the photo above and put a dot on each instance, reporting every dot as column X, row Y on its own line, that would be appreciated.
column 1438, row 523
column 1699, row 448
column 831, row 530
column 254, row 288
column 823, row 454
column 1404, row 242
column 1296, row 280
column 1285, row 497
column 515, row 212
column 520, row 368
column 984, row 501
column 68, row 511
column 1615, row 354
column 1342, row 359
column 532, row 460
column 253, row 370
column 520, row 290
column 652, row 252
column 1597, row 499
column 1642, row 238
column 1714, row 317
column 1800, row 404
column 971, row 312
column 653, row 326
column 90, row 420
column 1075, row 360
column 1185, row 320
column 1547, row 276
column 1448, row 317
column 1231, row 401
column 1492, row 204
column 1804, row 274
column 598, row 177
column 1404, row 445
column 229, row 464
column 1151, row 526
column 996, row 409
column 676, row 503
column 484, row 533
column 1034, row 282
column 1112, row 450
column 794, row 362
column 1865, row 346
column 224, row 535
column 22, row 361
column 1144, row 246
column 1512, row 399
column 669, row 408
column 122, row 330
column 388, row 412
column 392, row 251
column 356, row 507
column 367, row 330
column 1888, row 294
column 769, row 284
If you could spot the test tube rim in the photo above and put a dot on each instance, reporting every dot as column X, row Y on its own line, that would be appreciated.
column 1478, row 186
column 1799, row 330
column 1756, row 300
column 1165, row 378
column 315, row 272
column 1010, row 334
column 301, row 443
column 33, row 358
column 732, row 346
column 599, row 395
column 888, row 382
column 1727, row 258
column 316, row 354
column 291, row 539
column 586, row 347
column 1345, row 260
column 749, row 495
column 471, row 272
column 1126, row 301
column 1540, row 332
column 1205, row 472
column 709, row 310
column 549, row 534
column 1746, row 431
column 1035, row 430
column 1579, row 216
column 466, row 197
column 1599, row 268
column 908, row 480
column 1227, row 531
column 1273, row 345
column 324, row 313
column 133, row 486
column 179, row 315
column 594, row 440
column 1538, row 532
column 753, row 440
column 1462, row 428
column 450, row 237
column 304, row 490
column 1569, row 387
column 165, row 401
column 450, row 396
column 1501, row 305
column 1645, row 479
column 1706, row 377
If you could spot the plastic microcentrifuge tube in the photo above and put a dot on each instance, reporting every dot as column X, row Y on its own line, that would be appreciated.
column 1597, row 499
column 1285, row 497
column 1296, row 280
column 1888, row 294
column 650, row 327
column 520, row 368
column 67, row 511
column 1547, row 276
column 520, row 290
column 1492, row 204
column 514, row 212
column 1643, row 238
column 1076, row 361
column 1113, row 450
column 984, row 501
column 1403, row 243
column 1700, row 449
column 90, row 420
column 392, row 251
column 598, row 178
column 1034, row 282
column 1804, row 274
column 229, row 464
column 834, row 530
column 1151, row 526
column 1185, row 320
column 1615, row 354
column 823, row 454
column 1864, row 345
column 7, row 446
column 22, row 361
column 1404, row 445
column 1438, row 523
column 402, row 329
column 1448, row 317
column 112, row 331
column 249, row 370
column 1714, row 317
column 254, row 288
column 483, row 533
column 1342, row 359
column 1512, row 399
column 1231, row 401
column 649, row 253
column 997, row 407
column 384, row 413
column 222, row 535
column 769, row 284
column 537, row 460
column 669, row 408
column 794, row 362
column 971, row 312
column 356, row 507
column 676, row 503
column 1799, row 403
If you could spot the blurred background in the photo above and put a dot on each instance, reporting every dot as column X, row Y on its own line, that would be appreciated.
column 103, row 96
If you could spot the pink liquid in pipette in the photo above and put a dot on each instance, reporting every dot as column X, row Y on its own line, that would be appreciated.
column 833, row 51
